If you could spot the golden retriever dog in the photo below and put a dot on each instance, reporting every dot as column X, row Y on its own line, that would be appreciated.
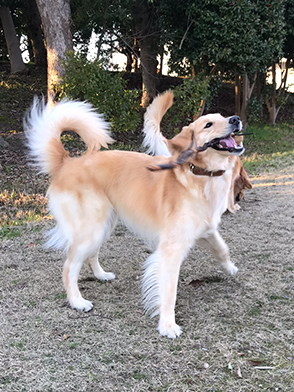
column 157, row 144
column 170, row 209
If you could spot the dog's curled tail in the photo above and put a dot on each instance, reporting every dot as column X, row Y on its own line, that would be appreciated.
column 43, row 127
column 153, row 138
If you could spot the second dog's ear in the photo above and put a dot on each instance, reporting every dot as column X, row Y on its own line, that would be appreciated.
column 246, row 182
column 182, row 141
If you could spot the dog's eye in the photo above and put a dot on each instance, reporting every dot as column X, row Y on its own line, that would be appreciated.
column 208, row 125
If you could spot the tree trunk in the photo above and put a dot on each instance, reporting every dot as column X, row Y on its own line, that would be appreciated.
column 237, row 94
column 271, row 102
column 12, row 41
column 56, row 21
column 247, row 90
column 161, row 54
column 146, row 20
column 35, row 35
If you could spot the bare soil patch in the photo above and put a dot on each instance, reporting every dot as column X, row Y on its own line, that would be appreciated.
column 237, row 331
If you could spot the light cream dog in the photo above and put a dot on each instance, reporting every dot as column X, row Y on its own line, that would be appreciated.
column 170, row 209
column 157, row 144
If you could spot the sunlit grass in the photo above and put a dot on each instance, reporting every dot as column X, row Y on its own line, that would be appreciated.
column 269, row 147
column 257, row 163
column 18, row 209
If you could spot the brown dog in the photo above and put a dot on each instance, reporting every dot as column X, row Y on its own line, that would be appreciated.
column 240, row 181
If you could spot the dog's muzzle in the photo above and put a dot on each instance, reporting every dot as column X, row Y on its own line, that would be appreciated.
column 228, row 143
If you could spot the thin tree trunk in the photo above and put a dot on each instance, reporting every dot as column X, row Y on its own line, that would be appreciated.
column 36, row 35
column 161, row 60
column 246, row 95
column 56, row 20
column 237, row 94
column 136, row 55
column 145, row 19
column 12, row 41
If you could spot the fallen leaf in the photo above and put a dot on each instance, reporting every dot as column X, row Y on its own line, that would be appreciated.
column 230, row 367
column 254, row 363
column 239, row 373
column 197, row 283
column 64, row 337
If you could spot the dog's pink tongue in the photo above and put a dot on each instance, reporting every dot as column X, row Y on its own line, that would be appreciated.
column 228, row 142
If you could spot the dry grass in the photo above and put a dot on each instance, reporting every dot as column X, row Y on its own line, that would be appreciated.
column 46, row 346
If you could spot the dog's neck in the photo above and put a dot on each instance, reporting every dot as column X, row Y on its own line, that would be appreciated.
column 211, row 161
column 199, row 171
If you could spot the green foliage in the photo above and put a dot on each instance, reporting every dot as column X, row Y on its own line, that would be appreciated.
column 187, row 101
column 254, row 110
column 241, row 35
column 89, row 81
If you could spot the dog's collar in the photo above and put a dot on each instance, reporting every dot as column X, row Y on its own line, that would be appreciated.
column 199, row 171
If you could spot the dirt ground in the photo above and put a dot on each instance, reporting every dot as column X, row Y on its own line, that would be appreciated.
column 237, row 331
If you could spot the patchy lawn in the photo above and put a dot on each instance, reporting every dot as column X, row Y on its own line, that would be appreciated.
column 237, row 331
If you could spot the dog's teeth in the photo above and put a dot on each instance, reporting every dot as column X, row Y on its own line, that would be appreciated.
column 221, row 146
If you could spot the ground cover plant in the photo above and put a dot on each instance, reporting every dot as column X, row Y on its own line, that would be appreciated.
column 238, row 331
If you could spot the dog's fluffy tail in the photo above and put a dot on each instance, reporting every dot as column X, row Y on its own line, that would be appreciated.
column 153, row 139
column 43, row 128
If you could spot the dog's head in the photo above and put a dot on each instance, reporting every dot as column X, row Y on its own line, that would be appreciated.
column 212, row 130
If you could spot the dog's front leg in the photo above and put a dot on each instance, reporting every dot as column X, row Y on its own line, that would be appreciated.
column 169, row 275
column 215, row 243
column 160, row 282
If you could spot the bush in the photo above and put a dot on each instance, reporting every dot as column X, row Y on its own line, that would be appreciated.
column 254, row 110
column 89, row 81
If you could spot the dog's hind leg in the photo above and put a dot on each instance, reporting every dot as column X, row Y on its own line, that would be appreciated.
column 160, row 282
column 93, row 261
column 215, row 243
column 77, row 254
column 97, row 270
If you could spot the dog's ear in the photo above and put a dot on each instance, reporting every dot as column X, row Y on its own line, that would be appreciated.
column 246, row 183
column 182, row 141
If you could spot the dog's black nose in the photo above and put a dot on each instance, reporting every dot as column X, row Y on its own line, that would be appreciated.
column 234, row 120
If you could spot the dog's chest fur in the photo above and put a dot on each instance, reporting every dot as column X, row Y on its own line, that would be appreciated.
column 216, row 191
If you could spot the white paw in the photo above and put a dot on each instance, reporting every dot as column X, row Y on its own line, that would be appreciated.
column 81, row 304
column 171, row 331
column 230, row 268
column 237, row 207
column 106, row 276
column 234, row 208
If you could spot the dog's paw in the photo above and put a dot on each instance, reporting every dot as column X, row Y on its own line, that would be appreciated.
column 81, row 304
column 171, row 331
column 105, row 276
column 234, row 208
column 230, row 268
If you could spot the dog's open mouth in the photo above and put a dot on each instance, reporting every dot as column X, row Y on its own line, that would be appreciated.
column 227, row 143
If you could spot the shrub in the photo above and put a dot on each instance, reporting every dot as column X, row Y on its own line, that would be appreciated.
column 254, row 110
column 86, row 80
